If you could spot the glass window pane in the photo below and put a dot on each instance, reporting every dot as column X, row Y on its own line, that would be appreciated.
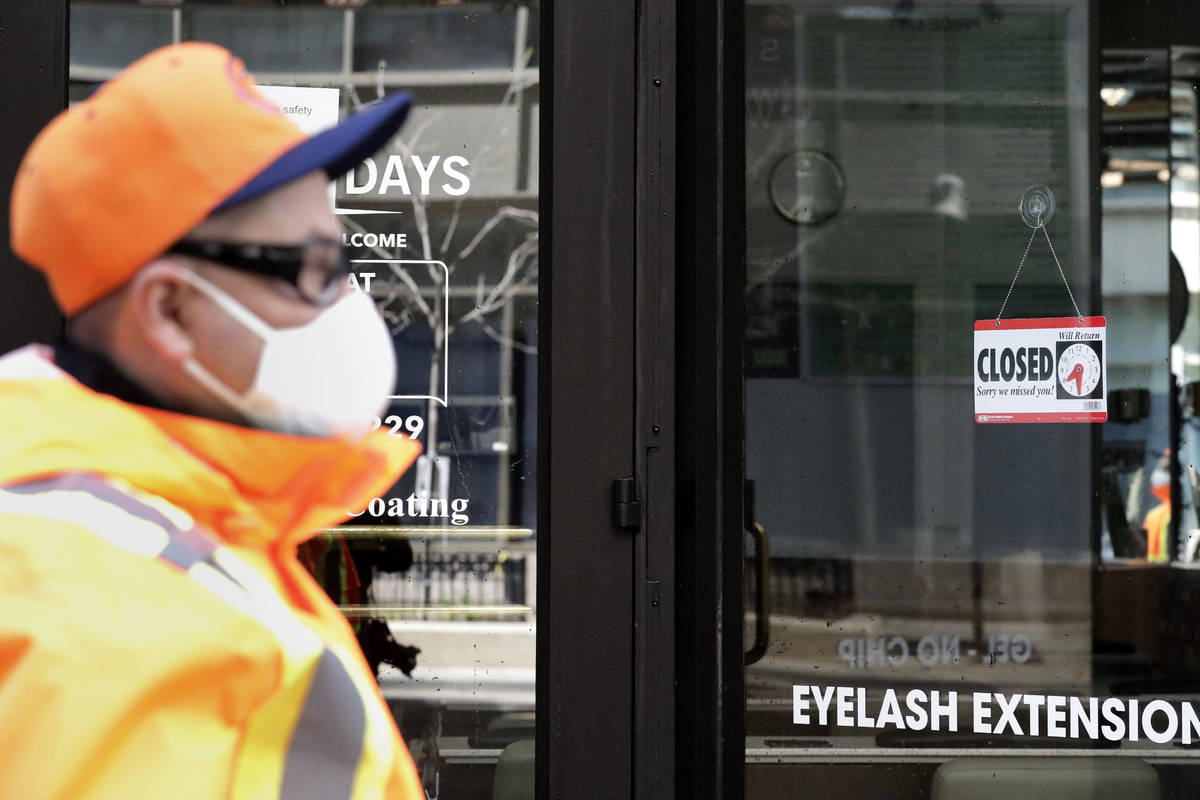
column 914, row 551
column 458, row 37
column 443, row 226
column 532, row 36
column 111, row 35
column 272, row 39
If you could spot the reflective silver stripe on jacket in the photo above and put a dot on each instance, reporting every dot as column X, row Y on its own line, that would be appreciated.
column 323, row 754
column 184, row 547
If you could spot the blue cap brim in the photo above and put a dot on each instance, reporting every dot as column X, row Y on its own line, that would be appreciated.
column 336, row 150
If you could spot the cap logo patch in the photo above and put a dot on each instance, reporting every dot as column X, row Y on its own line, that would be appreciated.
column 244, row 88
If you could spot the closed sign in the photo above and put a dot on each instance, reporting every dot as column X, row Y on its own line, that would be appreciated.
column 1050, row 369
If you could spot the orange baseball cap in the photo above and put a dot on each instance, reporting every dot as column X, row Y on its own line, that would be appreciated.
column 115, row 180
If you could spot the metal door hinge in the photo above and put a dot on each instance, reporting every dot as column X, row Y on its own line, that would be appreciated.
column 627, row 508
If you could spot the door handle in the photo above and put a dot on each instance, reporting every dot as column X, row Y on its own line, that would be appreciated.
column 762, row 559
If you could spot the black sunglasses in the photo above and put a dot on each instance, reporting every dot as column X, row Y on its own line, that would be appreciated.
column 317, row 267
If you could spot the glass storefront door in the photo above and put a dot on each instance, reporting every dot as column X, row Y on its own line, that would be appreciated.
column 938, row 607
column 439, row 574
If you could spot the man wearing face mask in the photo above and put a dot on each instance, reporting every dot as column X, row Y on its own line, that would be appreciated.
column 208, row 410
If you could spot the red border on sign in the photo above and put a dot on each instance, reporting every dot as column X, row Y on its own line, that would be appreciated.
column 1065, row 416
column 1039, row 322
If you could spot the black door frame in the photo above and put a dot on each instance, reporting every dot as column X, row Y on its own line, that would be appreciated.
column 640, row 676
column 655, row 420
column 711, row 406
column 33, row 61
column 585, row 399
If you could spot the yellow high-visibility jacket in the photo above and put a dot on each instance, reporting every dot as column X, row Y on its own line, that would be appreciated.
column 1158, row 527
column 158, row 638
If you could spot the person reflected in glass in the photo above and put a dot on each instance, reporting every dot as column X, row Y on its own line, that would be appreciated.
column 1158, row 519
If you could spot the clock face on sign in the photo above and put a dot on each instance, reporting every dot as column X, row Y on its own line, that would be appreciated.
column 1079, row 370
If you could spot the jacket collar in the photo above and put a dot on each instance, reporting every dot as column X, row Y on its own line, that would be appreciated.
column 252, row 487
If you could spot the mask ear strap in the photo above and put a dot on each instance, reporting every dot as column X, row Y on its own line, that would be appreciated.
column 247, row 318
column 229, row 305
column 213, row 384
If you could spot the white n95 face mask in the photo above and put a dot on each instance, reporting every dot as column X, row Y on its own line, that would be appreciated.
column 330, row 377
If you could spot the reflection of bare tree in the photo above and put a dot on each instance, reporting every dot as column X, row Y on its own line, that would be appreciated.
column 400, row 296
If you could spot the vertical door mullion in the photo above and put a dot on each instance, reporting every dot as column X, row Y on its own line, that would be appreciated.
column 654, row 568
column 586, row 399
column 710, row 422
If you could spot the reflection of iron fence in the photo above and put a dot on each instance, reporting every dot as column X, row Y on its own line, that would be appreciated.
column 455, row 579
column 805, row 587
